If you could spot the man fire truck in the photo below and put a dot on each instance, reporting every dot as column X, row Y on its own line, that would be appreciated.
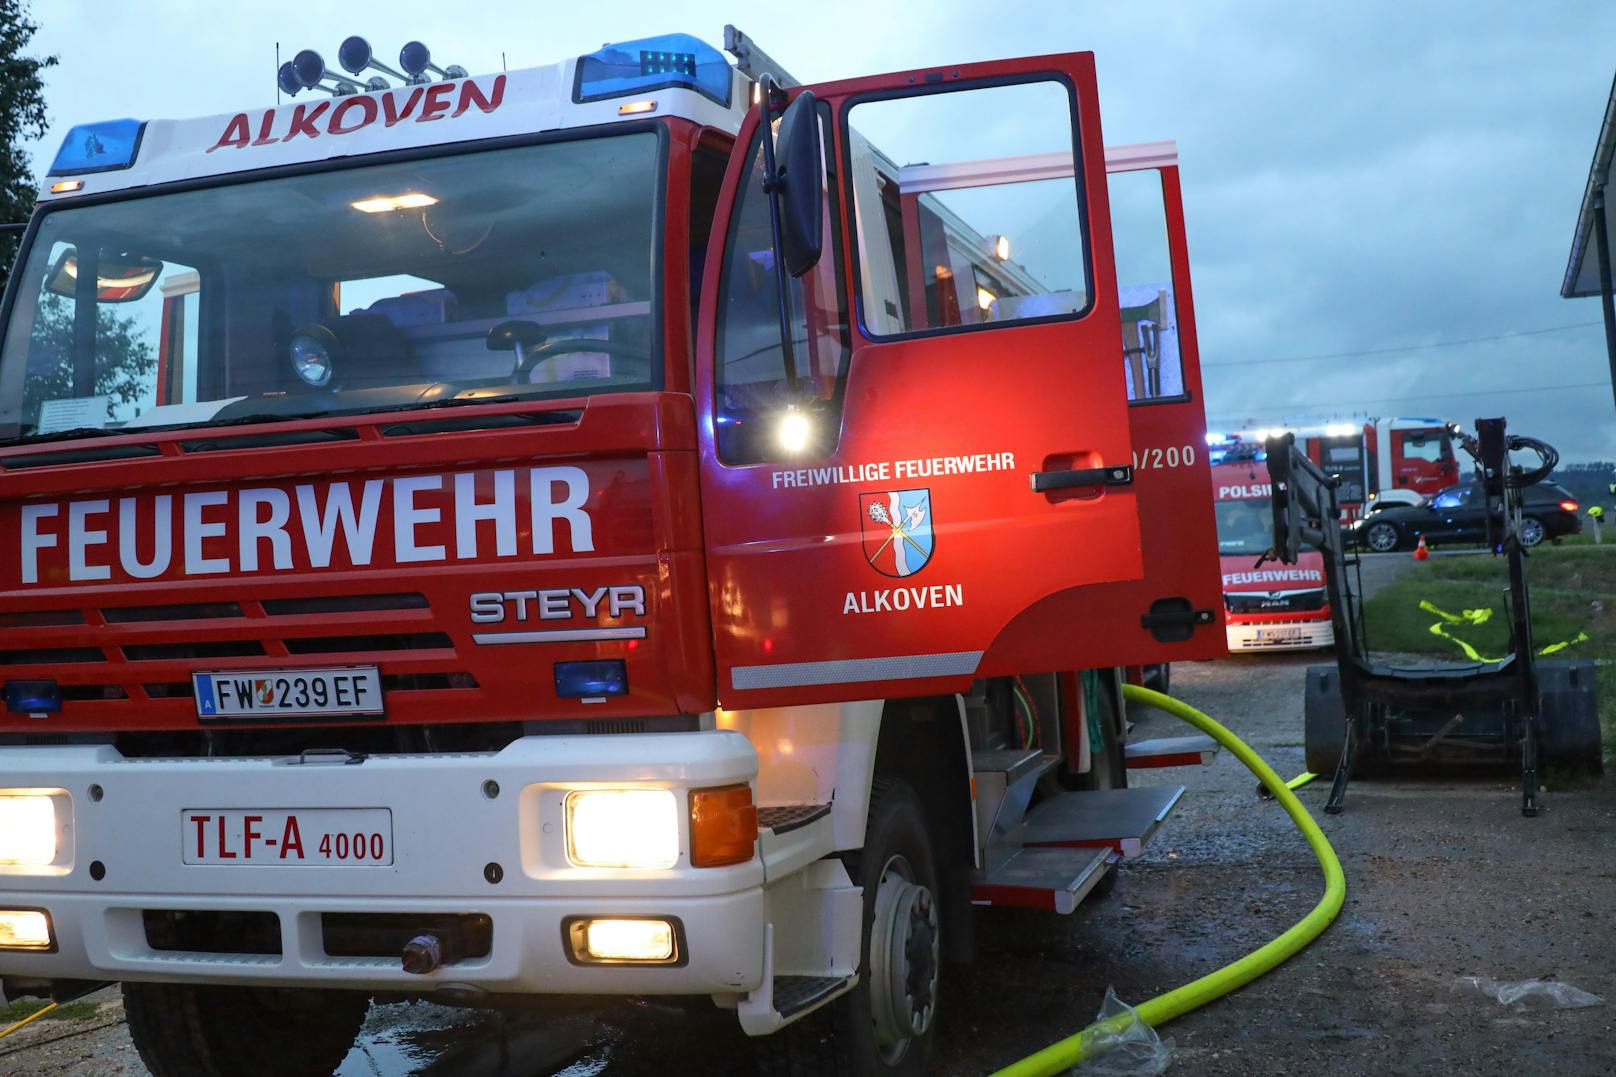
column 1270, row 606
column 553, row 533
column 1380, row 461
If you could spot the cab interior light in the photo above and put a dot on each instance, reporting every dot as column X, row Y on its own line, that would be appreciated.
column 25, row 929
column 386, row 203
column 794, row 432
column 27, row 829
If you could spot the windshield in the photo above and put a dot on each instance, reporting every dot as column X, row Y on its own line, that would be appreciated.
column 526, row 271
column 1245, row 526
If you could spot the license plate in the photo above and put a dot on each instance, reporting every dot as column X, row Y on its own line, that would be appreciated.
column 318, row 837
column 288, row 693
column 1279, row 634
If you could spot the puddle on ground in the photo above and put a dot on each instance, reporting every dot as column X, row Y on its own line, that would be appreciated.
column 420, row 1039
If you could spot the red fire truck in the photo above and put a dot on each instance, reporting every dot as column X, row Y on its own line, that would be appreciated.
column 1380, row 461
column 1271, row 606
column 552, row 533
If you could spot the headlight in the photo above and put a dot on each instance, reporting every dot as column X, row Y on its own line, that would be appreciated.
column 311, row 353
column 623, row 828
column 27, row 830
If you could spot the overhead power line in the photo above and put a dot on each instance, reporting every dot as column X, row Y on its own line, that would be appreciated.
column 1512, row 391
column 1403, row 348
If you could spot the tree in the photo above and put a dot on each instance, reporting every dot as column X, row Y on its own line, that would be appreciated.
column 124, row 361
column 22, row 117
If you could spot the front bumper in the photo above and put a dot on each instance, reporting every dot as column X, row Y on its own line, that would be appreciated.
column 447, row 830
column 1280, row 635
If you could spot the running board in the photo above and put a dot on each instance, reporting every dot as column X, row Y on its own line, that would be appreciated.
column 1192, row 751
column 1055, row 880
column 782, row 998
column 1119, row 819
column 798, row 994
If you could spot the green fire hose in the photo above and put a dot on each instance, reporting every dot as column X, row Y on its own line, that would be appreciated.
column 1163, row 1008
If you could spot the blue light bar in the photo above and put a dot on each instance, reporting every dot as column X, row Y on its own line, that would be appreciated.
column 653, row 63
column 98, row 147
column 585, row 680
column 33, row 697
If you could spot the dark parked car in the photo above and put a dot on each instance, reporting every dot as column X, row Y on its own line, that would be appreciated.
column 1459, row 514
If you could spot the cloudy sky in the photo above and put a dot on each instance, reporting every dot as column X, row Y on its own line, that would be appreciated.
column 1358, row 177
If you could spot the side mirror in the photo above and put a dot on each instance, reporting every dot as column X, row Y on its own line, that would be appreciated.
column 800, row 181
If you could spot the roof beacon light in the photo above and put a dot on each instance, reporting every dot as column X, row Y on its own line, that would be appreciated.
column 356, row 57
column 416, row 59
column 98, row 147
column 653, row 63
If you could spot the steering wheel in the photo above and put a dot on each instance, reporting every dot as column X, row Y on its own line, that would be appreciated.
column 550, row 349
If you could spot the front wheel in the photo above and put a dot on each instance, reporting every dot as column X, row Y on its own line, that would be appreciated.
column 188, row 1030
column 885, row 1026
column 1382, row 537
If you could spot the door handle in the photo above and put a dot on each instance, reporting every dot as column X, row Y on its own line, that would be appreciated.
column 1044, row 481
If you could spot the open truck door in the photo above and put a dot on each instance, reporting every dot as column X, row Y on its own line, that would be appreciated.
column 928, row 486
column 1175, row 612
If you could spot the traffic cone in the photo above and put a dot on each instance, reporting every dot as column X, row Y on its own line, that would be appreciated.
column 1422, row 552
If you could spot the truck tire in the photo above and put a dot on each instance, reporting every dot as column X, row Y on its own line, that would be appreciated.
column 192, row 1030
column 1323, row 720
column 861, row 1033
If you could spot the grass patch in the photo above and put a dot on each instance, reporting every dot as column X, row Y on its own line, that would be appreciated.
column 1573, row 590
column 28, row 1006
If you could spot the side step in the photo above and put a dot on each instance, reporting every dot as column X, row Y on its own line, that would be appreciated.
column 788, row 817
column 1050, row 879
column 792, row 836
column 798, row 994
column 1196, row 750
column 1119, row 819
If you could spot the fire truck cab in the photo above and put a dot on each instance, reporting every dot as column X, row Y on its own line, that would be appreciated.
column 554, row 533
column 1387, row 461
column 1270, row 606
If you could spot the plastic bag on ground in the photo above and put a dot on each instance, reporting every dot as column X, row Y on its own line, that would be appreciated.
column 1123, row 1045
column 1532, row 994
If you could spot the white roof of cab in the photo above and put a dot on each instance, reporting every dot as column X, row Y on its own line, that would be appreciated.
column 318, row 128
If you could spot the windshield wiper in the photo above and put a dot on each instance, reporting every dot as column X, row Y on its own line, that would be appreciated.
column 447, row 402
column 245, row 420
column 61, row 435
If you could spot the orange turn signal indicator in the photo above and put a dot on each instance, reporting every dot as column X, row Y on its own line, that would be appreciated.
column 723, row 826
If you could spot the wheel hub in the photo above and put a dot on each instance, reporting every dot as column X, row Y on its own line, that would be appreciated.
column 904, row 959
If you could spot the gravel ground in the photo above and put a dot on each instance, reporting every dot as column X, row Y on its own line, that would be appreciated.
column 1445, row 879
